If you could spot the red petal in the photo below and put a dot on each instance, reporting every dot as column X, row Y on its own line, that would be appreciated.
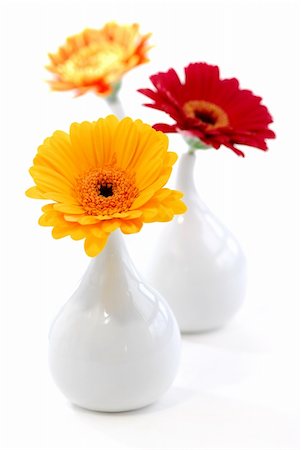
column 165, row 128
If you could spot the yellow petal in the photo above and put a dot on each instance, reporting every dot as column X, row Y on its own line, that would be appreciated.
column 56, row 152
column 104, row 131
column 34, row 192
column 48, row 208
column 124, row 215
column 48, row 179
column 94, row 245
column 82, row 219
column 46, row 220
column 77, row 234
column 170, row 158
column 60, row 197
column 148, row 174
column 59, row 232
column 131, row 226
column 110, row 225
column 82, row 144
column 69, row 209
column 179, row 207
column 148, row 193
column 126, row 137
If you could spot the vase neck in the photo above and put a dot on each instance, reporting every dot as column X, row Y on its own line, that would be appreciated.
column 185, row 177
column 107, row 276
column 113, row 252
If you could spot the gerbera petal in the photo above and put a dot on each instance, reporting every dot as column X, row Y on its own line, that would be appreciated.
column 169, row 81
column 127, row 137
column 48, row 179
column 104, row 131
column 57, row 152
column 48, row 220
column 164, row 204
column 236, row 150
column 59, row 232
column 148, row 176
column 34, row 192
column 82, row 219
column 89, row 220
column 110, row 225
column 82, row 145
column 131, row 226
column 170, row 158
column 69, row 209
column 147, row 193
column 94, row 245
column 77, row 234
column 200, row 79
column 60, row 197
column 149, row 145
column 60, row 85
column 148, row 93
column 155, row 153
column 165, row 128
column 48, row 208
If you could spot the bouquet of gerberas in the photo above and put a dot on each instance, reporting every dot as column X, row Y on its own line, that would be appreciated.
column 115, row 345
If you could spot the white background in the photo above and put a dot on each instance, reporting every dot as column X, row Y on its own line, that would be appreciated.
column 236, row 388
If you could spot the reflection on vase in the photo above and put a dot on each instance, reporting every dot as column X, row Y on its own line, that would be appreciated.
column 199, row 266
column 115, row 345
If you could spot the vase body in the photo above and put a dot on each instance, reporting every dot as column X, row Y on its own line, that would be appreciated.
column 199, row 266
column 115, row 345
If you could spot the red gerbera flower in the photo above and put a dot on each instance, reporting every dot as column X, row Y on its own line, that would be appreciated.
column 215, row 111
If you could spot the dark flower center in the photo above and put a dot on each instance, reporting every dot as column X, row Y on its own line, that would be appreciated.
column 106, row 190
column 209, row 114
column 205, row 117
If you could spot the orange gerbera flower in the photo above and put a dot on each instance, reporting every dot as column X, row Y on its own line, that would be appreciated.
column 102, row 176
column 97, row 59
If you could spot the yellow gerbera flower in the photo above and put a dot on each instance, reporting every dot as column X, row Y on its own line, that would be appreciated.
column 102, row 176
column 97, row 59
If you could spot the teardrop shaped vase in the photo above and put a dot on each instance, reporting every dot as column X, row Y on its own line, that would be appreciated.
column 115, row 345
column 199, row 266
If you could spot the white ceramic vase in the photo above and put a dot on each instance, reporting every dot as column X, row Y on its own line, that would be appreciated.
column 199, row 266
column 115, row 345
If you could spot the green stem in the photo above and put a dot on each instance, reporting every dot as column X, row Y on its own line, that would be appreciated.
column 116, row 107
column 195, row 143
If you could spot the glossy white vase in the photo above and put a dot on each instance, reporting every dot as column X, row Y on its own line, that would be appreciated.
column 199, row 266
column 115, row 345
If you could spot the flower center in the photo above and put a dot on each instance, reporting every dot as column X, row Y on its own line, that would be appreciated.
column 91, row 62
column 209, row 114
column 106, row 191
